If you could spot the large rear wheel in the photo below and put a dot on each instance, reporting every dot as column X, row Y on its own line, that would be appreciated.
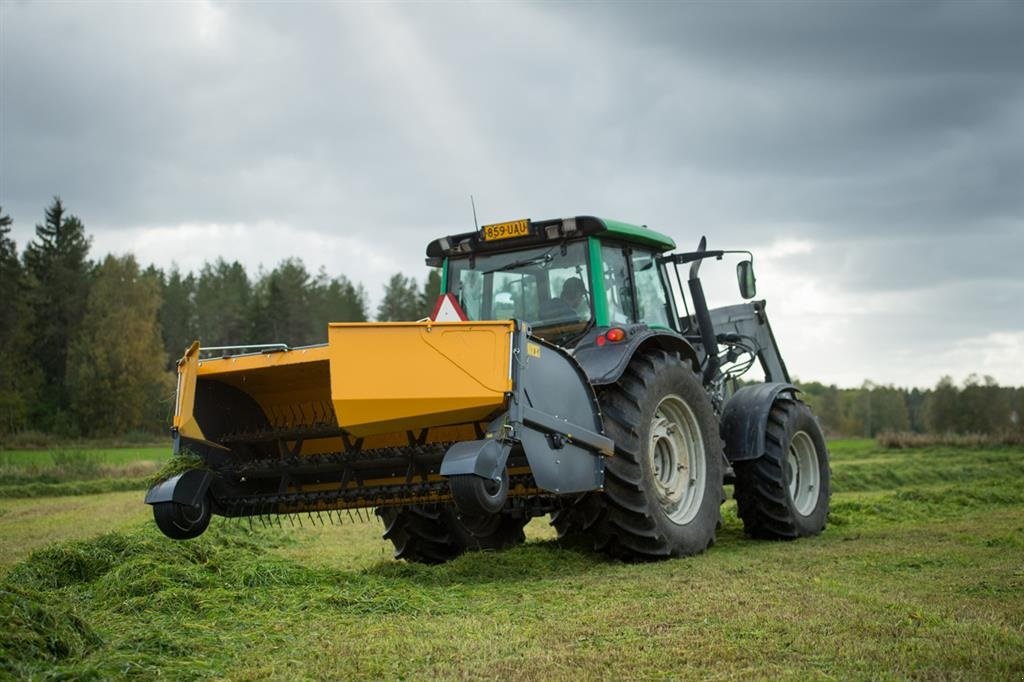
column 434, row 535
column 663, row 487
column 784, row 494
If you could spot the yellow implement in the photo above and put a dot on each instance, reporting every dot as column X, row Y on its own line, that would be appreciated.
column 371, row 379
column 384, row 415
column 396, row 376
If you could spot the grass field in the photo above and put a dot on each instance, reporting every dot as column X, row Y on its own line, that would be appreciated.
column 919, row 574
column 77, row 471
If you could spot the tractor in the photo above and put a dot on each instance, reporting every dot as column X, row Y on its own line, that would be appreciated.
column 579, row 376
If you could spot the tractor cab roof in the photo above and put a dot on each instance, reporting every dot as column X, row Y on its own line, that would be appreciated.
column 518, row 234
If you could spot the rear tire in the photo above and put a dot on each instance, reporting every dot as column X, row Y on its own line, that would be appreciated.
column 495, row 532
column 784, row 494
column 437, row 535
column 663, row 487
column 182, row 522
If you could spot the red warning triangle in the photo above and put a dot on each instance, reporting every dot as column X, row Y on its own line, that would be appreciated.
column 447, row 309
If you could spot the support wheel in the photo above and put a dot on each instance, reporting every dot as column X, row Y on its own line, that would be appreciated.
column 784, row 494
column 475, row 496
column 663, row 487
column 182, row 522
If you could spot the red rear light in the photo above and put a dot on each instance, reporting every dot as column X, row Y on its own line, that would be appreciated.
column 615, row 334
column 600, row 340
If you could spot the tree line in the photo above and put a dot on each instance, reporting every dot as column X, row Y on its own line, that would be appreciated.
column 978, row 406
column 88, row 347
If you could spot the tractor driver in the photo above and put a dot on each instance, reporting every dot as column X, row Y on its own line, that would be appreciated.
column 565, row 306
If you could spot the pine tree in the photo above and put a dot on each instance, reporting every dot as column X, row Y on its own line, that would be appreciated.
column 178, row 313
column 20, row 377
column 335, row 300
column 117, row 375
column 58, row 270
column 282, row 305
column 431, row 290
column 223, row 304
column 401, row 300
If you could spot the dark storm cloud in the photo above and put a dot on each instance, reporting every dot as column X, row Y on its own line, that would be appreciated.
column 851, row 115
column 886, row 137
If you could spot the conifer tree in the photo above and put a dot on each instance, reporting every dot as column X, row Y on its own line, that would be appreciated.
column 20, row 377
column 402, row 300
column 223, row 304
column 177, row 313
column 282, row 311
column 335, row 300
column 431, row 290
column 58, row 271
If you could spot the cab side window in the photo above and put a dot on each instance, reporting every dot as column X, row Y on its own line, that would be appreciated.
column 616, row 284
column 651, row 303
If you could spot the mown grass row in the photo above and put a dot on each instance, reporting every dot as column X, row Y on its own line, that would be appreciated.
column 918, row 575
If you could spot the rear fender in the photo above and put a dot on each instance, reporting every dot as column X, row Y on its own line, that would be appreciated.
column 745, row 419
column 605, row 364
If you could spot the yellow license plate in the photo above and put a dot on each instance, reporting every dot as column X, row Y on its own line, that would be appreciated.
column 514, row 228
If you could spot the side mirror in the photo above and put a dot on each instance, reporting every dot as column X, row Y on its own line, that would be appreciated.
column 745, row 275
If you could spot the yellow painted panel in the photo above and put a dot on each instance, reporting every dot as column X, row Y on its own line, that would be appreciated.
column 391, row 376
column 185, row 397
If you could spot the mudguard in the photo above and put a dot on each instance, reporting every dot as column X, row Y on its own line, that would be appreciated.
column 745, row 419
column 186, row 488
column 605, row 364
column 485, row 458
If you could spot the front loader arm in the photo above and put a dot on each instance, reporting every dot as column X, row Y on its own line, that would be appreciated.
column 750, row 321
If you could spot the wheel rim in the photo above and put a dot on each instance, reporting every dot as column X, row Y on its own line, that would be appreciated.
column 677, row 460
column 804, row 476
column 190, row 517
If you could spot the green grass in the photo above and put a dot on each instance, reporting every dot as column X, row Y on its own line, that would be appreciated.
column 920, row 574
column 109, row 456
column 78, row 471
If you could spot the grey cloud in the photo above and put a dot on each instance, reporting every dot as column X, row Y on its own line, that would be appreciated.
column 846, row 124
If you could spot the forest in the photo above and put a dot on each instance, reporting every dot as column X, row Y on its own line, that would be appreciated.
column 88, row 347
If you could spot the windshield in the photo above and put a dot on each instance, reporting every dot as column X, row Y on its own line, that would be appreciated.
column 544, row 286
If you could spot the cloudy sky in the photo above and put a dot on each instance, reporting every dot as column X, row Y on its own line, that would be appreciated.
column 870, row 154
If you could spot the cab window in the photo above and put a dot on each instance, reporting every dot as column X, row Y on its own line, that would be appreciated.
column 650, row 300
column 617, row 288
column 546, row 286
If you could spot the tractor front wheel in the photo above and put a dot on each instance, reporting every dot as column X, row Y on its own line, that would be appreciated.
column 784, row 494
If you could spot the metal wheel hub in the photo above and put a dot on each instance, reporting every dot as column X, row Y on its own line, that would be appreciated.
column 676, row 451
column 191, row 515
column 802, row 473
